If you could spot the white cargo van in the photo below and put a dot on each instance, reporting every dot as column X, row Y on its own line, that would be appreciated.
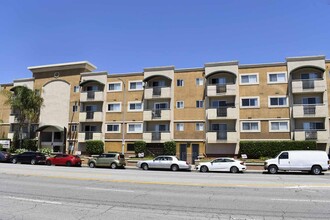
column 300, row 160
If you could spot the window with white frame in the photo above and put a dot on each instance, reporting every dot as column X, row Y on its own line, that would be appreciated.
column 76, row 89
column 249, row 78
column 74, row 128
column 136, row 85
column 278, row 101
column 199, row 104
column 250, row 102
column 135, row 106
column 113, row 128
column 179, row 104
column 277, row 78
column 180, row 82
column 279, row 126
column 180, row 127
column 199, row 81
column 114, row 107
column 134, row 128
column 250, row 126
column 114, row 87
column 199, row 126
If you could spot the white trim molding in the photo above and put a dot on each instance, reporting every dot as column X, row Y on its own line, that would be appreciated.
column 249, row 83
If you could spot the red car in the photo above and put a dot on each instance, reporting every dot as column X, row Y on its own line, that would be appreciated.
column 64, row 159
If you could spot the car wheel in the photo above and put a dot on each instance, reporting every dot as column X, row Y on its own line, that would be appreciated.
column 91, row 165
column 174, row 167
column 48, row 162
column 145, row 166
column 113, row 166
column 234, row 170
column 14, row 160
column 316, row 170
column 33, row 161
column 204, row 169
column 68, row 163
column 272, row 169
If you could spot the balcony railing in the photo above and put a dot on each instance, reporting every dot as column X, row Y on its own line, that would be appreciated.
column 156, row 113
column 309, row 109
column 315, row 110
column 221, row 88
column 228, row 136
column 156, row 136
column 221, row 135
column 90, row 95
column 89, row 135
column 89, row 115
column 319, row 135
column 311, row 135
column 308, row 84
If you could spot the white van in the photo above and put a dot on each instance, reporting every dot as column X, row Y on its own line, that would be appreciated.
column 300, row 160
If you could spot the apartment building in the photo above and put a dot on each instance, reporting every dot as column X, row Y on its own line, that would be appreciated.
column 206, row 110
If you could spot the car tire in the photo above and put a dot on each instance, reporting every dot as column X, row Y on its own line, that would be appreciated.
column 174, row 167
column 204, row 169
column 14, row 160
column 113, row 166
column 272, row 169
column 68, row 163
column 33, row 162
column 91, row 165
column 234, row 169
column 145, row 166
column 48, row 162
column 316, row 170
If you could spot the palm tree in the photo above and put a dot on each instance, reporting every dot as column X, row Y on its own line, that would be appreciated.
column 26, row 104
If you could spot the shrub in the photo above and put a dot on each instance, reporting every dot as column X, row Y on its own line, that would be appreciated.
column 170, row 148
column 258, row 149
column 19, row 151
column 140, row 147
column 1, row 147
column 94, row 147
column 47, row 151
column 30, row 144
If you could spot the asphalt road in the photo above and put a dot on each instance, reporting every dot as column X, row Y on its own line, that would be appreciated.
column 42, row 192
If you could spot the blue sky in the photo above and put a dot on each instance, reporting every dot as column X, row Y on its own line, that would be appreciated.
column 127, row 36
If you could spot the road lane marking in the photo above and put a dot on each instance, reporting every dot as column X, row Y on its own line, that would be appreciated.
column 306, row 186
column 113, row 190
column 301, row 200
column 33, row 200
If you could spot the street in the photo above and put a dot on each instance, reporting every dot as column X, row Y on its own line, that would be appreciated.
column 44, row 192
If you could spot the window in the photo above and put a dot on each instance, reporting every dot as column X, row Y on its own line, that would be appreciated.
column 311, row 100
column 217, row 81
column 278, row 102
column 113, row 128
column 179, row 104
column 251, row 126
column 199, row 104
column 199, row 81
column 130, row 147
column 135, row 106
column 76, row 89
column 138, row 85
column 252, row 102
column 180, row 82
column 114, row 87
column 158, row 83
column 75, row 108
column 162, row 105
column 218, row 103
column 284, row 155
column 199, row 126
column 249, row 79
column 313, row 125
column 309, row 76
column 279, row 126
column 134, row 128
column 180, row 127
column 114, row 107
column 73, row 128
column 92, row 88
column 277, row 78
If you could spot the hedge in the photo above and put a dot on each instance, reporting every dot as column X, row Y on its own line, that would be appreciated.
column 140, row 147
column 258, row 149
column 170, row 148
column 94, row 147
column 30, row 144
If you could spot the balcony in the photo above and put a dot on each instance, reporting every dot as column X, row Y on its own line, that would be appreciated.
column 91, row 96
column 149, row 136
column 91, row 116
column 157, row 92
column 221, row 137
column 315, row 85
column 157, row 114
column 221, row 90
column 222, row 113
column 89, row 135
column 311, row 135
column 302, row 111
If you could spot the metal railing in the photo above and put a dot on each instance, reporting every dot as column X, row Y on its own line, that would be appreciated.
column 91, row 95
column 221, row 135
column 310, row 135
column 156, row 136
column 156, row 91
column 89, row 135
column 221, row 88
column 309, row 110
column 308, row 84
column 89, row 115
column 156, row 113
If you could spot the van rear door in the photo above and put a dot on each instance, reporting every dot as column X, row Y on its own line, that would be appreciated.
column 284, row 161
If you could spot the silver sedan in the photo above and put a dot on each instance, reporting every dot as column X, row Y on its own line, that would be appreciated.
column 164, row 162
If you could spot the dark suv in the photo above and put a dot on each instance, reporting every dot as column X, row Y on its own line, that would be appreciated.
column 29, row 157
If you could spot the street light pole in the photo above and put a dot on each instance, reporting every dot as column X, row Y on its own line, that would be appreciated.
column 123, row 125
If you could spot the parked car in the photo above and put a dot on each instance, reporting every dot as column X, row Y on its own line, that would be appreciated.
column 164, row 162
column 29, row 157
column 222, row 164
column 112, row 160
column 64, row 159
column 300, row 160
column 4, row 156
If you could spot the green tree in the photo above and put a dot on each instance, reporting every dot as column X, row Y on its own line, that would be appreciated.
column 26, row 104
column 94, row 147
column 170, row 148
column 140, row 147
